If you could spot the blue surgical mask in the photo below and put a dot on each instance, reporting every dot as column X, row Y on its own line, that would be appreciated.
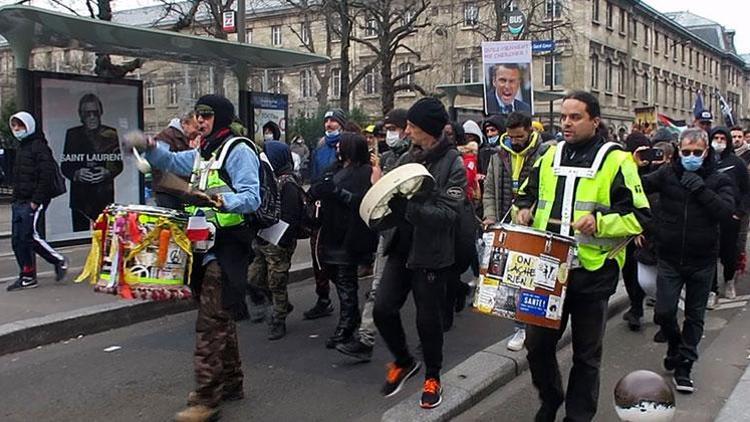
column 20, row 134
column 332, row 133
column 691, row 162
column 492, row 140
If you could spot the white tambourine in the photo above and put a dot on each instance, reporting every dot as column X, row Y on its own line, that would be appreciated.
column 405, row 180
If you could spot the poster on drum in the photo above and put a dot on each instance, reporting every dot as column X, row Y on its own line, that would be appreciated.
column 83, row 118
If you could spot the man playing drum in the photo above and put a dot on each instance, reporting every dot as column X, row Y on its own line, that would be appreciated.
column 219, row 276
column 588, row 188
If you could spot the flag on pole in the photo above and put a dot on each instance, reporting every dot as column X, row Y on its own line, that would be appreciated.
column 674, row 126
column 726, row 110
column 698, row 106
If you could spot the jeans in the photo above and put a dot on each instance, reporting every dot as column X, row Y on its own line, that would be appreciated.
column 27, row 240
column 428, row 290
column 630, row 277
column 588, row 317
column 669, row 283
column 367, row 327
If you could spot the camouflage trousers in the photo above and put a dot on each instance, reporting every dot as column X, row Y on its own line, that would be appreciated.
column 218, row 368
column 269, row 274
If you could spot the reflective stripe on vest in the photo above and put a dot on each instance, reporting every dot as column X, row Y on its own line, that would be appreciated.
column 587, row 191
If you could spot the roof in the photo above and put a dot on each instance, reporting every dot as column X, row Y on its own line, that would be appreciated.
column 34, row 27
column 688, row 19
column 166, row 14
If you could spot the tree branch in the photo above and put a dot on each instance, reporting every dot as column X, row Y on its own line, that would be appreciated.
column 413, row 71
column 411, row 86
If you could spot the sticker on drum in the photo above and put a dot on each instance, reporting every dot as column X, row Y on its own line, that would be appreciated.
column 533, row 303
column 520, row 270
column 488, row 240
column 505, row 301
column 496, row 266
column 562, row 273
column 546, row 272
column 554, row 307
column 485, row 299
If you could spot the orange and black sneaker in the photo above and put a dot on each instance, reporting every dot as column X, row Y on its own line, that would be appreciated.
column 432, row 394
column 397, row 376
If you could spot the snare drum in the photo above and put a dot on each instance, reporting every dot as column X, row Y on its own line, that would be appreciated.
column 524, row 273
column 144, row 252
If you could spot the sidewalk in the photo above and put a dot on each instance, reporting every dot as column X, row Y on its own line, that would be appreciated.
column 723, row 359
column 4, row 220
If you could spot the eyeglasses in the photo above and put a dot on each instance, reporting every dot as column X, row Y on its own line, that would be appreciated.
column 695, row 152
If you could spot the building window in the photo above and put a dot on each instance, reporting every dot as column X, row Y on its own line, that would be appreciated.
column 471, row 14
column 336, row 82
column 408, row 17
column 371, row 26
column 621, row 80
column 471, row 71
column 276, row 35
column 553, row 8
column 249, row 36
column 594, row 72
column 305, row 84
column 371, row 82
column 674, row 96
column 683, row 54
column 698, row 62
column 635, row 31
column 172, row 93
column 674, row 51
column 646, row 36
column 646, row 90
column 150, row 93
column 595, row 10
column 275, row 81
column 408, row 79
column 609, row 74
column 548, row 64
column 610, row 15
column 623, row 21
column 304, row 31
column 335, row 30
column 690, row 58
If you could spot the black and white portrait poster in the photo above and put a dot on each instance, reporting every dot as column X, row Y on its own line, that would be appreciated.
column 83, row 119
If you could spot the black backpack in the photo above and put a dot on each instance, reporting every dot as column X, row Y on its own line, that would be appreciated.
column 308, row 223
column 57, row 184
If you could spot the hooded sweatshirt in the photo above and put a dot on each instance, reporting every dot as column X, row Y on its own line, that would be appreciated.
column 34, row 166
column 730, row 164
column 292, row 202
column 472, row 128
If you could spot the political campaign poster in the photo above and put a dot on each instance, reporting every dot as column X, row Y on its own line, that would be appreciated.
column 266, row 111
column 508, row 82
column 83, row 118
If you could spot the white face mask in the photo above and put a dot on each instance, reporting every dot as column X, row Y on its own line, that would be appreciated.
column 719, row 146
column 392, row 138
column 20, row 134
column 268, row 136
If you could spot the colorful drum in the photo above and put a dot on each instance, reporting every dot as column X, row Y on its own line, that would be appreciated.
column 140, row 251
column 524, row 274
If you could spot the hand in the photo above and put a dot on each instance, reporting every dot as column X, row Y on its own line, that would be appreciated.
column 199, row 198
column 374, row 160
column 692, row 182
column 640, row 241
column 524, row 217
column 138, row 140
column 218, row 201
column 481, row 177
column 489, row 221
column 98, row 174
column 637, row 156
column 83, row 175
column 398, row 204
column 33, row 205
column 586, row 224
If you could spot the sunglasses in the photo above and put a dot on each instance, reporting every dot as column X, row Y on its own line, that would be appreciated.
column 695, row 152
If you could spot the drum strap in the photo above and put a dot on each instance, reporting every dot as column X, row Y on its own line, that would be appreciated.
column 571, row 175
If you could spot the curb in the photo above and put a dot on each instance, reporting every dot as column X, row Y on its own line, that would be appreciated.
column 29, row 333
column 736, row 407
column 480, row 375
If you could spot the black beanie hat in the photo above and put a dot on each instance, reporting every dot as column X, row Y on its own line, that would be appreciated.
column 429, row 115
column 396, row 117
column 636, row 140
column 337, row 115
column 222, row 108
column 663, row 135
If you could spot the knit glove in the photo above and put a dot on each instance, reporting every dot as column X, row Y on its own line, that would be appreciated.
column 692, row 182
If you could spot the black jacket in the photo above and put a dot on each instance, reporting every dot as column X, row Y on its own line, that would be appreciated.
column 344, row 239
column 33, row 170
column 735, row 168
column 426, row 234
column 686, row 225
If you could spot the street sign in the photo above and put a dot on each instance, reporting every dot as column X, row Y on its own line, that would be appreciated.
column 228, row 20
column 516, row 21
column 542, row 46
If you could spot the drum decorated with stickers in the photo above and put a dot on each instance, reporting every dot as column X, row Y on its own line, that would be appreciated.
column 140, row 251
column 523, row 274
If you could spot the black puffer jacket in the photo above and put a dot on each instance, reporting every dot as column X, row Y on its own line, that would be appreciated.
column 735, row 168
column 33, row 170
column 428, row 234
column 687, row 224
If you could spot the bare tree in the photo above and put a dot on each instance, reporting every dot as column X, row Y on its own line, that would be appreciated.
column 391, row 22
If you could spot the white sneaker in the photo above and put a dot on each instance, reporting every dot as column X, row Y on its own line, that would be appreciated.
column 713, row 301
column 516, row 343
column 729, row 291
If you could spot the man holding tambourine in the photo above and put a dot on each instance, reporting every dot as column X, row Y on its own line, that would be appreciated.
column 588, row 188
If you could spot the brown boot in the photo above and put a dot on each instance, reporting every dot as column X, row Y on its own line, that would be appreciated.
column 192, row 399
column 198, row 413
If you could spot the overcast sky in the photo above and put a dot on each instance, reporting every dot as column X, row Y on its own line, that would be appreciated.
column 733, row 14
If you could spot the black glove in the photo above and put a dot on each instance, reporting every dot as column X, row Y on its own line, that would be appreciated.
column 692, row 182
column 398, row 204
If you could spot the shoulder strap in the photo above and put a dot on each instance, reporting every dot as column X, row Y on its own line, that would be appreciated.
column 228, row 145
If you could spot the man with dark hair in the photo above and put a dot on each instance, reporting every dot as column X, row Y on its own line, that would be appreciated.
column 693, row 199
column 741, row 148
column 91, row 160
column 493, row 127
column 178, row 135
column 518, row 150
column 421, row 251
column 506, row 79
column 588, row 188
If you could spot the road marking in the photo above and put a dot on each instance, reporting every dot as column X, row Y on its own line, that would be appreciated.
column 40, row 275
column 731, row 305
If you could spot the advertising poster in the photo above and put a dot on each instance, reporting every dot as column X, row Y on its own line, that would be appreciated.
column 265, row 107
column 508, row 82
column 83, row 118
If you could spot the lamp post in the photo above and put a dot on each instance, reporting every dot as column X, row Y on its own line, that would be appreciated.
column 552, row 67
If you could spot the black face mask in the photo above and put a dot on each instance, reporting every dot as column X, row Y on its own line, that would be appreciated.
column 517, row 148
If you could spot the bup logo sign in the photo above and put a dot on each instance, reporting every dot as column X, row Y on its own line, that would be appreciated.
column 516, row 22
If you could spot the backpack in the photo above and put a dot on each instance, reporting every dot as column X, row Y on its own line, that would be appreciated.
column 307, row 223
column 57, row 184
column 269, row 211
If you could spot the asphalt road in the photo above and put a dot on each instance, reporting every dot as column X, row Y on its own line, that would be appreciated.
column 149, row 377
